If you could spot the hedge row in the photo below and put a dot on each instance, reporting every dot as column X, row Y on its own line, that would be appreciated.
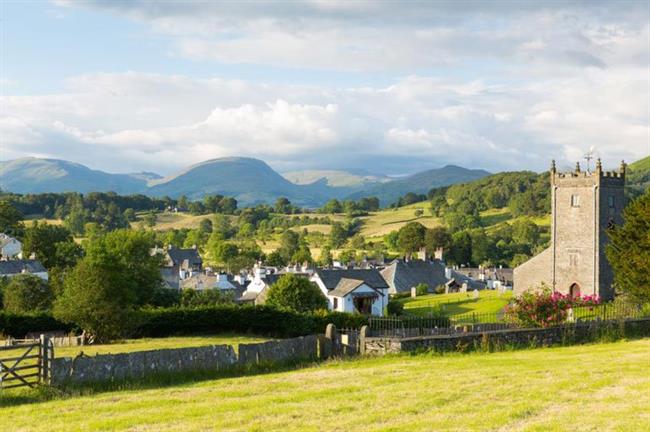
column 262, row 320
column 18, row 326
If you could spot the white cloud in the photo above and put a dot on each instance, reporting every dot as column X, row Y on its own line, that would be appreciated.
column 406, row 36
column 133, row 121
column 531, row 81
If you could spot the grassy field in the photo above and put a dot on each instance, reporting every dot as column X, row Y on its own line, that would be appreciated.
column 147, row 344
column 489, row 302
column 582, row 388
column 380, row 223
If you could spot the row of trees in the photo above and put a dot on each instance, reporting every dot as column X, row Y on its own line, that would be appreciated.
column 509, row 244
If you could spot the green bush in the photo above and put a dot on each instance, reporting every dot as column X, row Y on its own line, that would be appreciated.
column 394, row 307
column 440, row 289
column 421, row 289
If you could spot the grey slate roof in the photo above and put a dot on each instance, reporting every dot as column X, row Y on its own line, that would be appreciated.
column 345, row 286
column 179, row 255
column 370, row 277
column 13, row 267
column 403, row 275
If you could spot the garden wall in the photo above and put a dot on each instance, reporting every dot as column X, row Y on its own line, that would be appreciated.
column 575, row 333
column 137, row 365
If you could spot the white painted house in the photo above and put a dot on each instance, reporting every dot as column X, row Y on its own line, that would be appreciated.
column 361, row 291
column 17, row 267
column 10, row 247
column 355, row 296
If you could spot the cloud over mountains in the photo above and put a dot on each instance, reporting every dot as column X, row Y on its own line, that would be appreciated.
column 495, row 85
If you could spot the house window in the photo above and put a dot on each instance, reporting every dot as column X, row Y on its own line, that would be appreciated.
column 575, row 200
column 336, row 303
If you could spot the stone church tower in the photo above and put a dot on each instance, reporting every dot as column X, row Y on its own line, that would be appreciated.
column 583, row 205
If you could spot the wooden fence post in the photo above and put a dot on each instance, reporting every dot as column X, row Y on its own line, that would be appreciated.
column 44, row 359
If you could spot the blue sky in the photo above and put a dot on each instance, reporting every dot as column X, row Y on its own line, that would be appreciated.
column 385, row 86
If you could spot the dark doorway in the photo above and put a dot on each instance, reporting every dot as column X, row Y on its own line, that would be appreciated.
column 574, row 290
column 363, row 305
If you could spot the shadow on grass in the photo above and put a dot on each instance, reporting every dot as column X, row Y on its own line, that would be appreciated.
column 43, row 393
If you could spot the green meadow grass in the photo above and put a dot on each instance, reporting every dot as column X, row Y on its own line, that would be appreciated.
column 147, row 344
column 489, row 302
column 597, row 387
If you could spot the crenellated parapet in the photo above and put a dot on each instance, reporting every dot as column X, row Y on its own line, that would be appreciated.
column 578, row 177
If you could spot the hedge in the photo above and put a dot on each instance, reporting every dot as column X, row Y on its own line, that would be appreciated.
column 18, row 325
column 262, row 320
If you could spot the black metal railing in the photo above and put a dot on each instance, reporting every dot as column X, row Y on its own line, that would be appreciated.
column 438, row 324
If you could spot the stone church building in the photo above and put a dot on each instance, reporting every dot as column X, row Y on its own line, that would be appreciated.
column 583, row 205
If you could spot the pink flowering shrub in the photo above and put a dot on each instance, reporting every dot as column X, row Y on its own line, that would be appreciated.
column 545, row 308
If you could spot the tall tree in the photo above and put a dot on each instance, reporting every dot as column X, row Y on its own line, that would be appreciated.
column 99, row 297
column 296, row 293
column 27, row 293
column 10, row 219
column 629, row 249
column 129, row 252
column 43, row 240
column 410, row 238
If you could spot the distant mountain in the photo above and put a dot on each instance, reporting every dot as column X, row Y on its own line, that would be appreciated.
column 250, row 181
column 33, row 175
column 353, row 179
column 420, row 183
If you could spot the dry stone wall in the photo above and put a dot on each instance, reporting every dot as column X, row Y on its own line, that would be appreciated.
column 577, row 333
column 137, row 365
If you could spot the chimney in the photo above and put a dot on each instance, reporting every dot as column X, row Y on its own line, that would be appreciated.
column 437, row 254
column 422, row 254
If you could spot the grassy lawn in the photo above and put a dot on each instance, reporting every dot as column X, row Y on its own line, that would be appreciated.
column 582, row 388
column 489, row 302
column 147, row 344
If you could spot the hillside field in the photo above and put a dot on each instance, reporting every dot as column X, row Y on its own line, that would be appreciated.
column 580, row 388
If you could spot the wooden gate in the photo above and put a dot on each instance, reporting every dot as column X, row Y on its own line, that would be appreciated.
column 25, row 363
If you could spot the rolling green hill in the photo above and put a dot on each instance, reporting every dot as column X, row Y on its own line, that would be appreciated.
column 638, row 177
column 33, row 175
column 420, row 183
column 250, row 181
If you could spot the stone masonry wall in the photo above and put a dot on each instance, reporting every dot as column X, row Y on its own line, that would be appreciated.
column 523, row 337
column 137, row 365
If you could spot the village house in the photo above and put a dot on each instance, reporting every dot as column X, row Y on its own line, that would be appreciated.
column 494, row 278
column 209, row 280
column 179, row 264
column 403, row 275
column 13, row 268
column 10, row 248
column 264, row 277
column 353, row 290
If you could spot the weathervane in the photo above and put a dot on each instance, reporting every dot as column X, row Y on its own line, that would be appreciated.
column 588, row 157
